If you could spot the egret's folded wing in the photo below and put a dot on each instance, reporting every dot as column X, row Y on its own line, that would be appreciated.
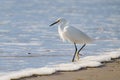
column 75, row 35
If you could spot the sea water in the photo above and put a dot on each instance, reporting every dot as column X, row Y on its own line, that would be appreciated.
column 29, row 45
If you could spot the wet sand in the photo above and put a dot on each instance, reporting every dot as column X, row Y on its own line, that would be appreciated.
column 109, row 71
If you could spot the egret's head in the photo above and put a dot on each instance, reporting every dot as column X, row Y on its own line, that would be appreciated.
column 60, row 20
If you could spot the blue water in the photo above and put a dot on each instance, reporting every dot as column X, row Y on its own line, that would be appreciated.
column 24, row 28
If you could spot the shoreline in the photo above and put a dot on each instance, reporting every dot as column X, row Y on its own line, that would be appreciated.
column 108, row 71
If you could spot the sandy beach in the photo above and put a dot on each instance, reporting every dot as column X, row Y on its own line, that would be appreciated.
column 109, row 71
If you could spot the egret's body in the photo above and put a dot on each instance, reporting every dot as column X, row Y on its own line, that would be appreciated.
column 72, row 34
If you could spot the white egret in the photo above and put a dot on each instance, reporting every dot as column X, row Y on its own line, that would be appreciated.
column 73, row 35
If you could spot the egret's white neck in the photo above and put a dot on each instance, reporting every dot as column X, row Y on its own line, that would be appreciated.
column 63, row 24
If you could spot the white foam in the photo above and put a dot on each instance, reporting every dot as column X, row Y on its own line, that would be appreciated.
column 99, row 58
column 84, row 64
column 115, row 54
column 67, row 67
column 89, row 61
column 28, row 72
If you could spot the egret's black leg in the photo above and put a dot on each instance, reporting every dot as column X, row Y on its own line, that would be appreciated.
column 81, row 48
column 75, row 52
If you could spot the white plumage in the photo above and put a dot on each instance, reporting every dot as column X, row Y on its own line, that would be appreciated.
column 72, row 34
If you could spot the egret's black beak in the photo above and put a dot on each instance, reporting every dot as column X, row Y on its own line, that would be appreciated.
column 54, row 23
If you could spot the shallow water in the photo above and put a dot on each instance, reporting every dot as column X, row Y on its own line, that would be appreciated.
column 24, row 28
